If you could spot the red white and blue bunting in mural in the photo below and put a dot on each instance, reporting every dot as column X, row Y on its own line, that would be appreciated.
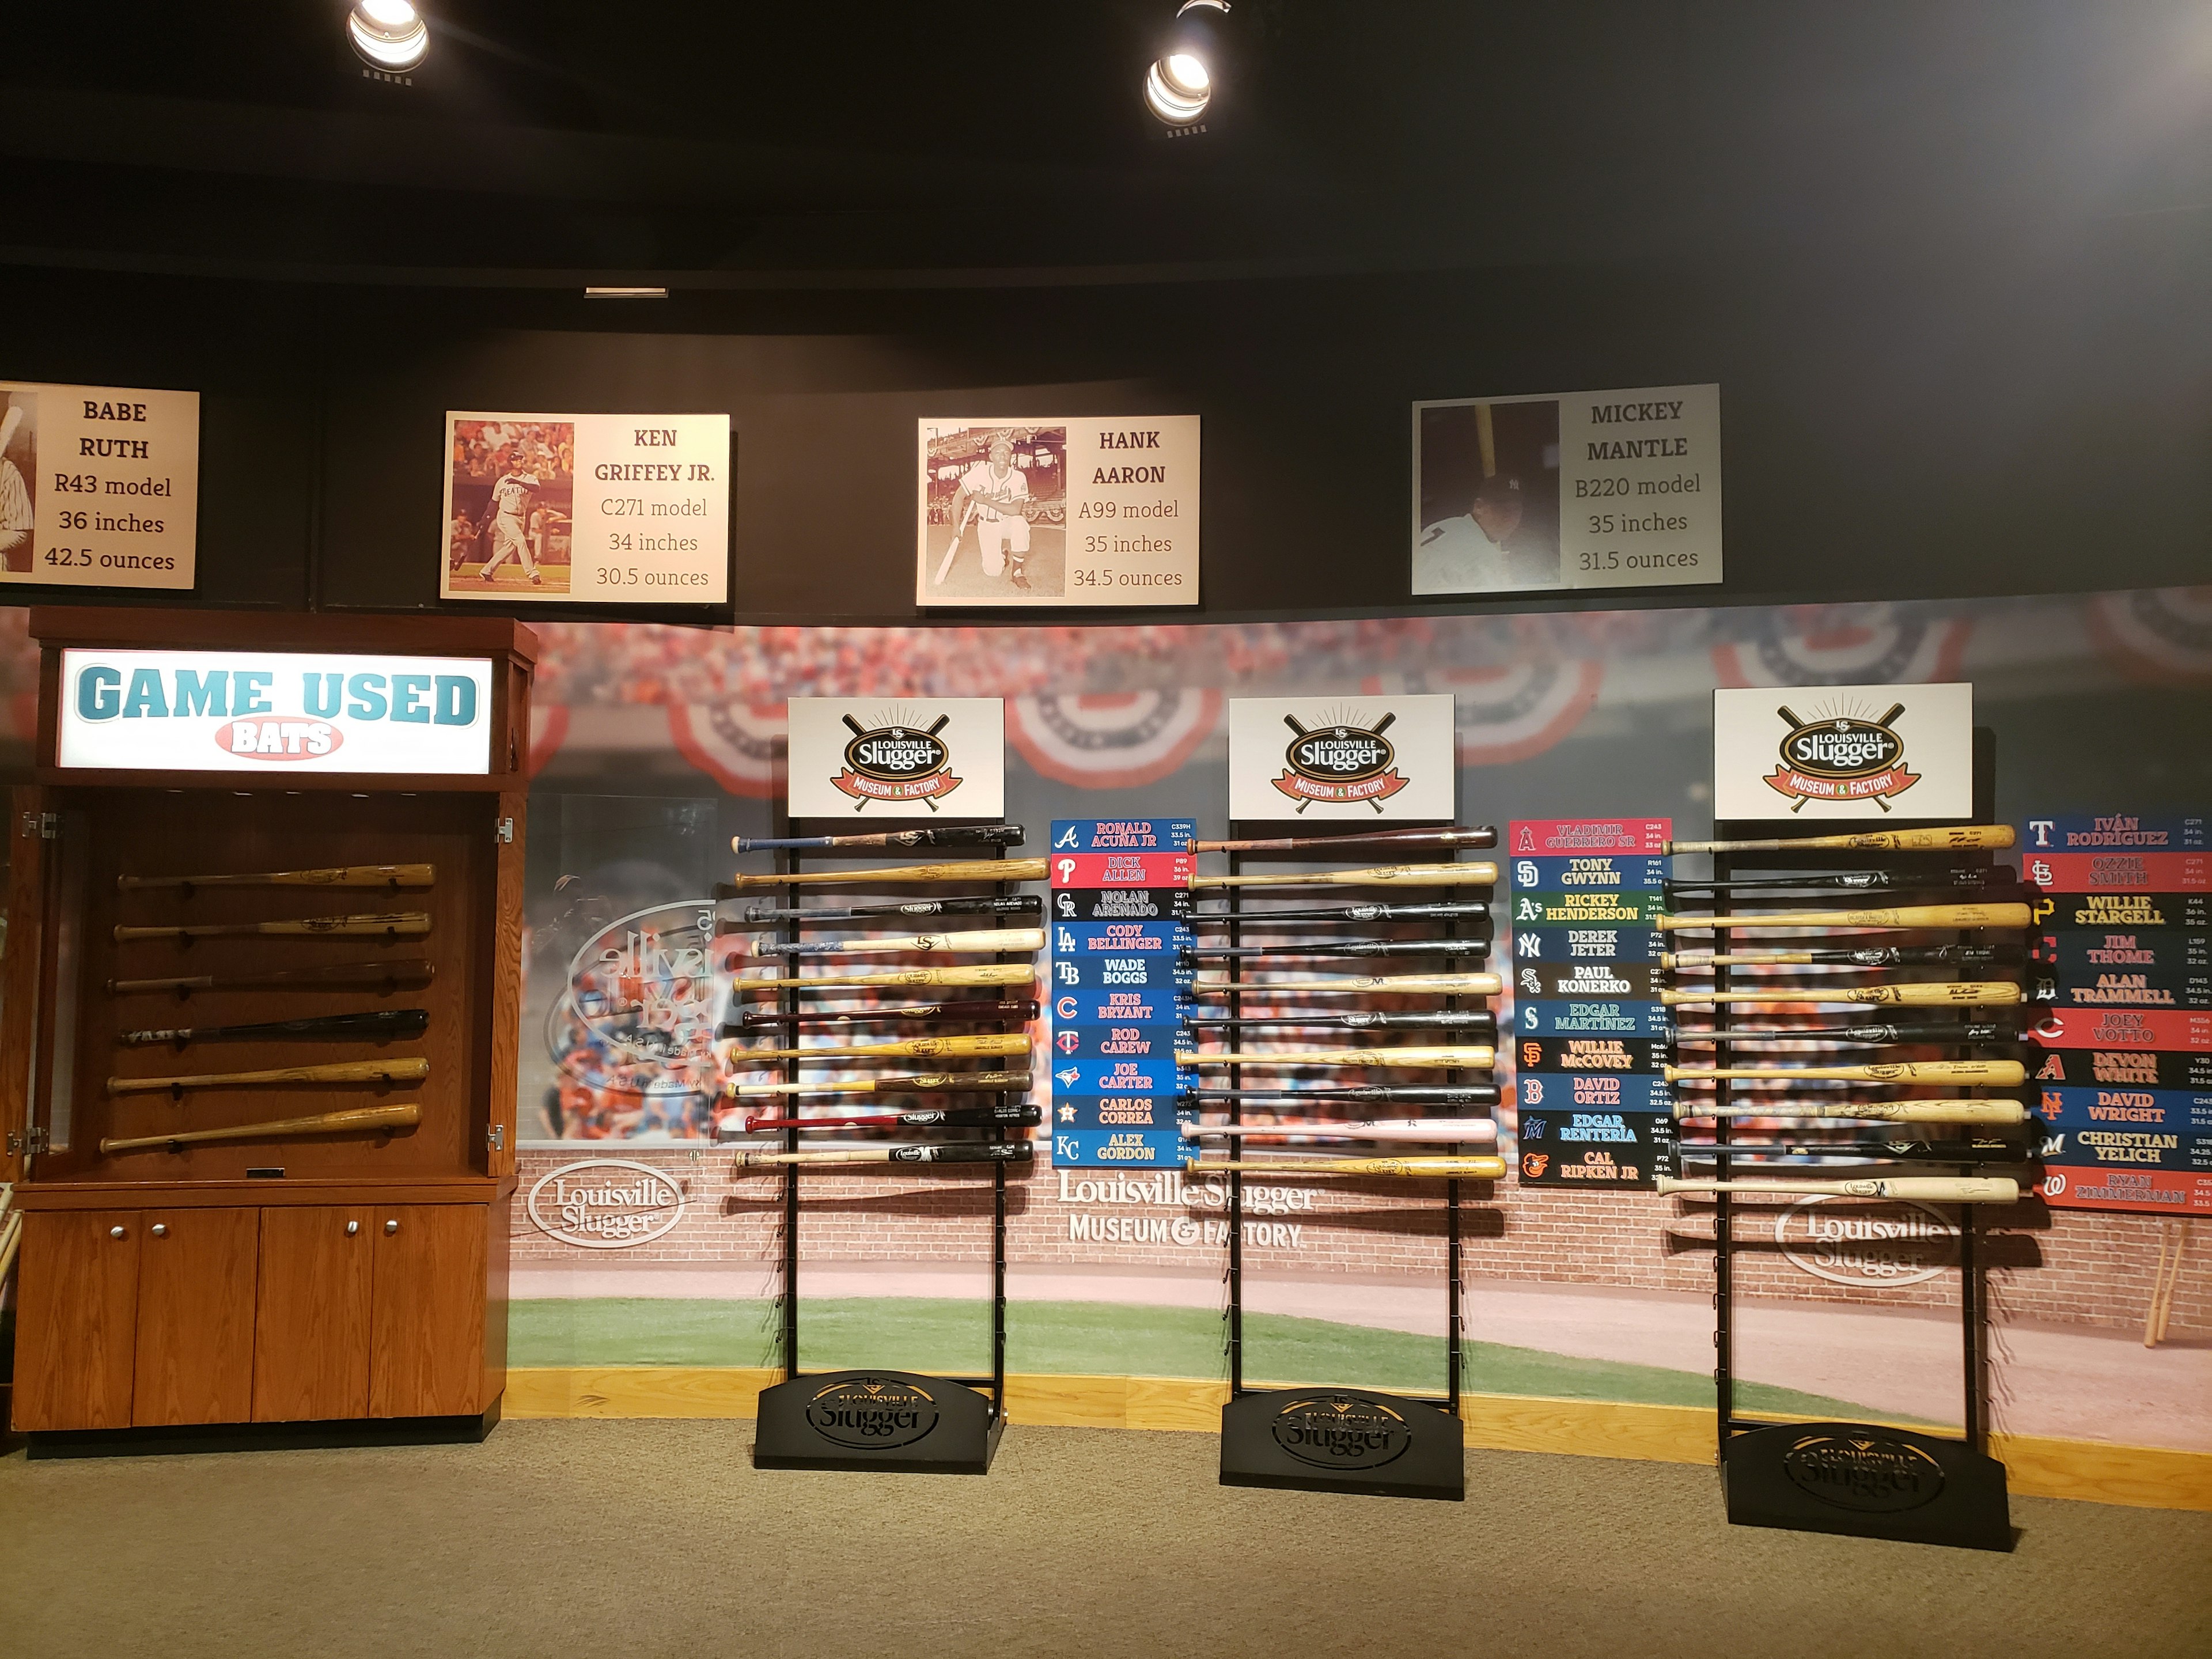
column 1113, row 739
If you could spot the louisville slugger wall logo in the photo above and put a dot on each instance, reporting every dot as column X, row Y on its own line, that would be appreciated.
column 1906, row 1244
column 1344, row 763
column 872, row 1414
column 606, row 1204
column 1842, row 757
column 1335, row 1431
column 1870, row 1474
column 895, row 762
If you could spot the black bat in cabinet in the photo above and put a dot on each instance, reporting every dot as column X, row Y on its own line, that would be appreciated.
column 374, row 1025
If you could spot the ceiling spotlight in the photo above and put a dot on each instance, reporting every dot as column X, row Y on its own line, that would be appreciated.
column 1180, row 83
column 389, row 35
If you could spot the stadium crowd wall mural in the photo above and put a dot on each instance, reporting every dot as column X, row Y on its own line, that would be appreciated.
column 653, row 745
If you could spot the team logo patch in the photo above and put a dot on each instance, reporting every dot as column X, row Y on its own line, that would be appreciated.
column 1842, row 757
column 896, row 763
column 1344, row 763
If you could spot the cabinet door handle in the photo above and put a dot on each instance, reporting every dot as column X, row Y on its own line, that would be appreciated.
column 160, row 1230
column 352, row 1227
column 391, row 1227
column 117, row 1232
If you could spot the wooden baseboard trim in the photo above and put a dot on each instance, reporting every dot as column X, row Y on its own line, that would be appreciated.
column 2037, row 1466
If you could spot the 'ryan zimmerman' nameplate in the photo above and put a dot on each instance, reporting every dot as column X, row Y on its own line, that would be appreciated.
column 1058, row 511
column 99, row 485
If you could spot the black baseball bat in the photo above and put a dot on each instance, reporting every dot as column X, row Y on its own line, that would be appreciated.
column 1480, row 1022
column 951, row 1152
column 1019, row 904
column 1483, row 1094
column 978, row 834
column 1477, row 913
column 1867, row 1034
column 919, row 1014
column 1482, row 836
column 376, row 1025
column 1855, row 881
column 1476, row 948
column 1872, row 956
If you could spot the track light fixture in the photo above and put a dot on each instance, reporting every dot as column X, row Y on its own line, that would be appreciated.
column 387, row 34
column 1181, row 83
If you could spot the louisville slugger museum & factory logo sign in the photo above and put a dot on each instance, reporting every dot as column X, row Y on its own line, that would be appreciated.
column 896, row 763
column 1344, row 762
column 876, row 1414
column 1842, row 757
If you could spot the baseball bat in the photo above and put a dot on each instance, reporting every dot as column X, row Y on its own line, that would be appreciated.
column 391, row 975
column 977, row 834
column 952, row 547
column 948, row 1117
column 995, row 973
column 1856, row 881
column 1868, row 1035
column 1973, row 1073
column 394, row 924
column 1877, row 1111
column 1456, row 985
column 1448, row 1168
column 344, row 875
column 1350, row 947
column 994, row 1045
column 915, row 1083
column 1903, row 916
column 1017, row 904
column 14, row 418
column 1939, row 1189
column 1462, row 1095
column 1005, row 939
column 1479, row 873
column 322, row 1123
column 1978, row 837
column 11, row 1221
column 1446, row 1129
column 1422, row 1059
column 1862, row 1152
column 1423, row 840
column 971, row 870
column 1918, row 993
column 347, row 1071
column 919, row 1014
column 951, row 1152
column 1872, row 956
column 1477, row 912
column 1480, row 1022
column 376, row 1025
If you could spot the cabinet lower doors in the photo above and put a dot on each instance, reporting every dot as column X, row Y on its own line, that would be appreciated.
column 76, row 1319
column 427, row 1317
column 195, row 1347
column 311, row 1330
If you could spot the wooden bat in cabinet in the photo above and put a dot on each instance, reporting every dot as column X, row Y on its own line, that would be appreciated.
column 393, row 924
column 348, row 1071
column 344, row 875
column 322, row 1123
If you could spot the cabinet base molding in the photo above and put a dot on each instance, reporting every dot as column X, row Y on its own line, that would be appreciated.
column 263, row 1436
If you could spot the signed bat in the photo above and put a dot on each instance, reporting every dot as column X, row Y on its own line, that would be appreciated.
column 1872, row 956
column 322, row 1123
column 1973, row 1073
column 377, row 1025
column 1860, row 1151
column 345, row 875
column 1005, row 938
column 1477, row 912
column 946, row 1117
column 978, row 834
column 916, row 1014
column 1462, row 1095
column 390, row 975
column 971, row 870
column 1446, row 1129
column 1878, row 1111
column 347, row 1071
column 1478, row 1022
column 1469, row 985
column 951, row 1152
column 1918, row 994
column 1480, row 873
column 1941, row 1189
column 1422, row 1059
column 994, row 1045
column 1857, row 881
column 1449, row 1168
column 1423, row 840
column 392, row 925
column 916, row 1083
column 1978, row 837
column 1903, row 916
column 1478, row 948
column 995, row 973
column 1016, row 904
column 1868, row 1035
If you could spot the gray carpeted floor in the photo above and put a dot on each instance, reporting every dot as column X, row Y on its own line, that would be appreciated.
column 599, row 1540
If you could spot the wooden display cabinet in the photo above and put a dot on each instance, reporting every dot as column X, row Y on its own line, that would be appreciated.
column 327, row 1279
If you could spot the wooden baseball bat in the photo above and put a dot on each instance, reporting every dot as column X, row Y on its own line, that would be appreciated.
column 348, row 1071
column 1457, row 985
column 1866, row 1034
column 1939, row 1189
column 1973, row 1073
column 1978, row 837
column 977, row 834
column 1479, row 873
column 394, row 924
column 1379, row 1058
column 1481, row 1022
column 1459, row 1096
column 376, row 1025
column 985, row 904
column 1919, row 994
column 944, row 1117
column 322, row 1123
column 1879, row 1111
column 994, row 972
column 917, row 1082
column 1019, row 1010
column 1856, row 881
column 1858, row 1151
column 1448, row 1168
column 1903, row 916
column 411, row 971
column 1004, row 939
column 1446, row 1129
column 971, row 870
column 343, row 875
column 994, row 1045
column 1423, row 840
column 1875, row 955
column 951, row 1152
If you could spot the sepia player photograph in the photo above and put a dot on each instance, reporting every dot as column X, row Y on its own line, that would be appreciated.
column 1487, row 496
column 19, row 477
column 994, row 513
column 510, row 501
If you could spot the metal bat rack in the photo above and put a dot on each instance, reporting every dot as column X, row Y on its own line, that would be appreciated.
column 940, row 1425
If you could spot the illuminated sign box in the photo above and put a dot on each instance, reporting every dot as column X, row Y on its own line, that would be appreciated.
column 284, row 712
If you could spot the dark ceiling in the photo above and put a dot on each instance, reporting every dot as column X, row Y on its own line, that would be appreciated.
column 743, row 145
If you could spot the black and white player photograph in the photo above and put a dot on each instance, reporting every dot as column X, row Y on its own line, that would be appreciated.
column 1487, row 496
column 993, row 504
column 19, row 475
column 510, row 506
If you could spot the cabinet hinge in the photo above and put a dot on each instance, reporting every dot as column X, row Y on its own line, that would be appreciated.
column 32, row 1141
column 42, row 826
column 504, row 831
column 496, row 1136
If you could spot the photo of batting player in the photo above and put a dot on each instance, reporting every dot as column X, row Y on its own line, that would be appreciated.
column 1489, row 498
column 511, row 489
column 19, row 472
column 994, row 512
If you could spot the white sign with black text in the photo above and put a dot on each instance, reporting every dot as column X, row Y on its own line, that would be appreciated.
column 1342, row 757
column 99, row 485
column 1843, row 751
column 903, row 757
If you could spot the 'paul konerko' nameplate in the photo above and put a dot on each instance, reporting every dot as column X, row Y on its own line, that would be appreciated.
column 1568, row 489
column 596, row 509
column 99, row 485
column 1061, row 511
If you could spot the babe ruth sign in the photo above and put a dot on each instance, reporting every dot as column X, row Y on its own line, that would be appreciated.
column 1341, row 757
column 901, row 757
column 99, row 485
column 1067, row 511
column 608, row 509
column 1851, row 751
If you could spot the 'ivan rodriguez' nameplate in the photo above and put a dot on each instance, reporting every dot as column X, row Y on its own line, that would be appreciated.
column 1058, row 511
column 1362, row 758
column 100, row 486
column 599, row 509
column 897, row 758
column 1568, row 489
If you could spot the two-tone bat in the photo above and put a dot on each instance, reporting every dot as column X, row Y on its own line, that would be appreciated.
column 1872, row 1111
column 1462, row 1096
column 1019, row 1010
column 1447, row 1169
column 1872, row 956
column 1478, row 873
column 1449, row 948
column 1449, row 1130
column 345, row 1070
column 1479, row 1022
column 976, row 834
column 410, row 971
column 1471, row 1057
column 1972, row 1073
column 980, row 904
column 947, row 1117
column 1868, row 1035
column 1903, row 916
column 1937, row 1189
column 1475, row 912
column 951, row 1152
column 393, row 924
column 1008, row 940
column 1455, row 985
column 1918, row 994
column 913, row 1083
column 1421, row 839
column 1976, row 837
column 989, row 1045
column 993, row 973
column 993, row 870
column 1853, row 881
column 343, row 875
column 376, row 1025
column 322, row 1123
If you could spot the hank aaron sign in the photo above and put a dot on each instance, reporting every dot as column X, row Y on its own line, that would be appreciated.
column 899, row 757
column 1827, row 751
column 99, row 485
column 1339, row 757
